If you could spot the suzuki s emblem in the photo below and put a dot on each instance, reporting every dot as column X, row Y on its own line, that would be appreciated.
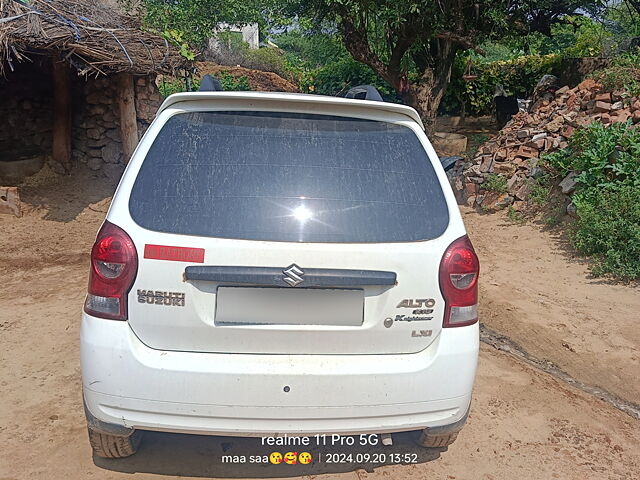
column 293, row 275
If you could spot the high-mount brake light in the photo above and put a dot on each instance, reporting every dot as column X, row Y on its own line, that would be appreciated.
column 114, row 264
column 459, row 270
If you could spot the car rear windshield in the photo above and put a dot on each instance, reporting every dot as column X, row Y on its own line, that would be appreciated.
column 288, row 177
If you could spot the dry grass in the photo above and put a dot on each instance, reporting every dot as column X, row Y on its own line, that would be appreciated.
column 94, row 38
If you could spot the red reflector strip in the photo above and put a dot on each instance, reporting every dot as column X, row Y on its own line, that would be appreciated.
column 176, row 254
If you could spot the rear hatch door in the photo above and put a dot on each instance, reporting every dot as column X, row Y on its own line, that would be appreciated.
column 286, row 232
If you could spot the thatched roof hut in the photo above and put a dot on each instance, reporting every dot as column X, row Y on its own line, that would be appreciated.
column 77, row 85
column 92, row 37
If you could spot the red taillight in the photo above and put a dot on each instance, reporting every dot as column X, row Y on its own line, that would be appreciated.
column 114, row 263
column 459, row 270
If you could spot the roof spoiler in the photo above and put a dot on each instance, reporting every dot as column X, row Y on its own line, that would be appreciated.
column 365, row 92
column 267, row 100
column 210, row 84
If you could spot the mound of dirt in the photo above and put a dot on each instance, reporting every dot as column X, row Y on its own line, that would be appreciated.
column 260, row 81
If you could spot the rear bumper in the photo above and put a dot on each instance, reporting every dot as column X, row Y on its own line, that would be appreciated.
column 127, row 384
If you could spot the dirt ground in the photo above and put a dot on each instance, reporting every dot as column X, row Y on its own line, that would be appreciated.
column 525, row 424
column 537, row 292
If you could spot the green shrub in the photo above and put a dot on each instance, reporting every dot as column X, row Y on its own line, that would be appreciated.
column 495, row 183
column 604, row 156
column 607, row 197
column 585, row 41
column 577, row 35
column 608, row 227
column 624, row 73
column 540, row 190
column 310, row 50
column 267, row 60
column 518, row 76
column 514, row 215
column 230, row 83
column 169, row 86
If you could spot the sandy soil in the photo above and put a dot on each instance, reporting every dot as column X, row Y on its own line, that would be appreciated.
column 524, row 423
column 538, row 293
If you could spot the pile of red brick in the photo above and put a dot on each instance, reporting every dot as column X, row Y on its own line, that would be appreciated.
column 515, row 152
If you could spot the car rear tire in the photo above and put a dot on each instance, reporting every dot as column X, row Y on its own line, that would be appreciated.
column 114, row 446
column 431, row 440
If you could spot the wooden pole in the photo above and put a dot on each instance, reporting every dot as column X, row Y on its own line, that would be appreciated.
column 61, row 149
column 128, row 117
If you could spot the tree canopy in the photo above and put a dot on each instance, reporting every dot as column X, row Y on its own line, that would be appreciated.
column 410, row 44
column 192, row 22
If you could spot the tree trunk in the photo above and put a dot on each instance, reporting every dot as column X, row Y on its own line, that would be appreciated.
column 426, row 94
column 434, row 60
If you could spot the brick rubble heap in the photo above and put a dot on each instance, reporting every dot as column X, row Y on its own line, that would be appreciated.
column 515, row 152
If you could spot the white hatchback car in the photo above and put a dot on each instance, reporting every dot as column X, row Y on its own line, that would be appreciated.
column 278, row 263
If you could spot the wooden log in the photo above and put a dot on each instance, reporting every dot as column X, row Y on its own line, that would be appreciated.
column 61, row 149
column 128, row 117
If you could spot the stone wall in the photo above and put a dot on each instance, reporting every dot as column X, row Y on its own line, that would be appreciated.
column 26, row 112
column 574, row 70
column 96, row 139
column 148, row 100
column 26, row 120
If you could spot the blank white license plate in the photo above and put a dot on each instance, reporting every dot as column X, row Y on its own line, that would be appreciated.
column 289, row 306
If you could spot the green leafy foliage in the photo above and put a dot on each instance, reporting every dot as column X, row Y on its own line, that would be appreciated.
column 231, row 40
column 572, row 36
column 337, row 77
column 515, row 216
column 518, row 76
column 624, row 16
column 495, row 183
column 323, row 65
column 607, row 195
column 587, row 40
column 310, row 50
column 624, row 73
column 410, row 44
column 540, row 190
column 230, row 83
column 176, row 37
column 169, row 86
column 268, row 60
column 190, row 23
column 604, row 156
column 576, row 36
column 608, row 227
